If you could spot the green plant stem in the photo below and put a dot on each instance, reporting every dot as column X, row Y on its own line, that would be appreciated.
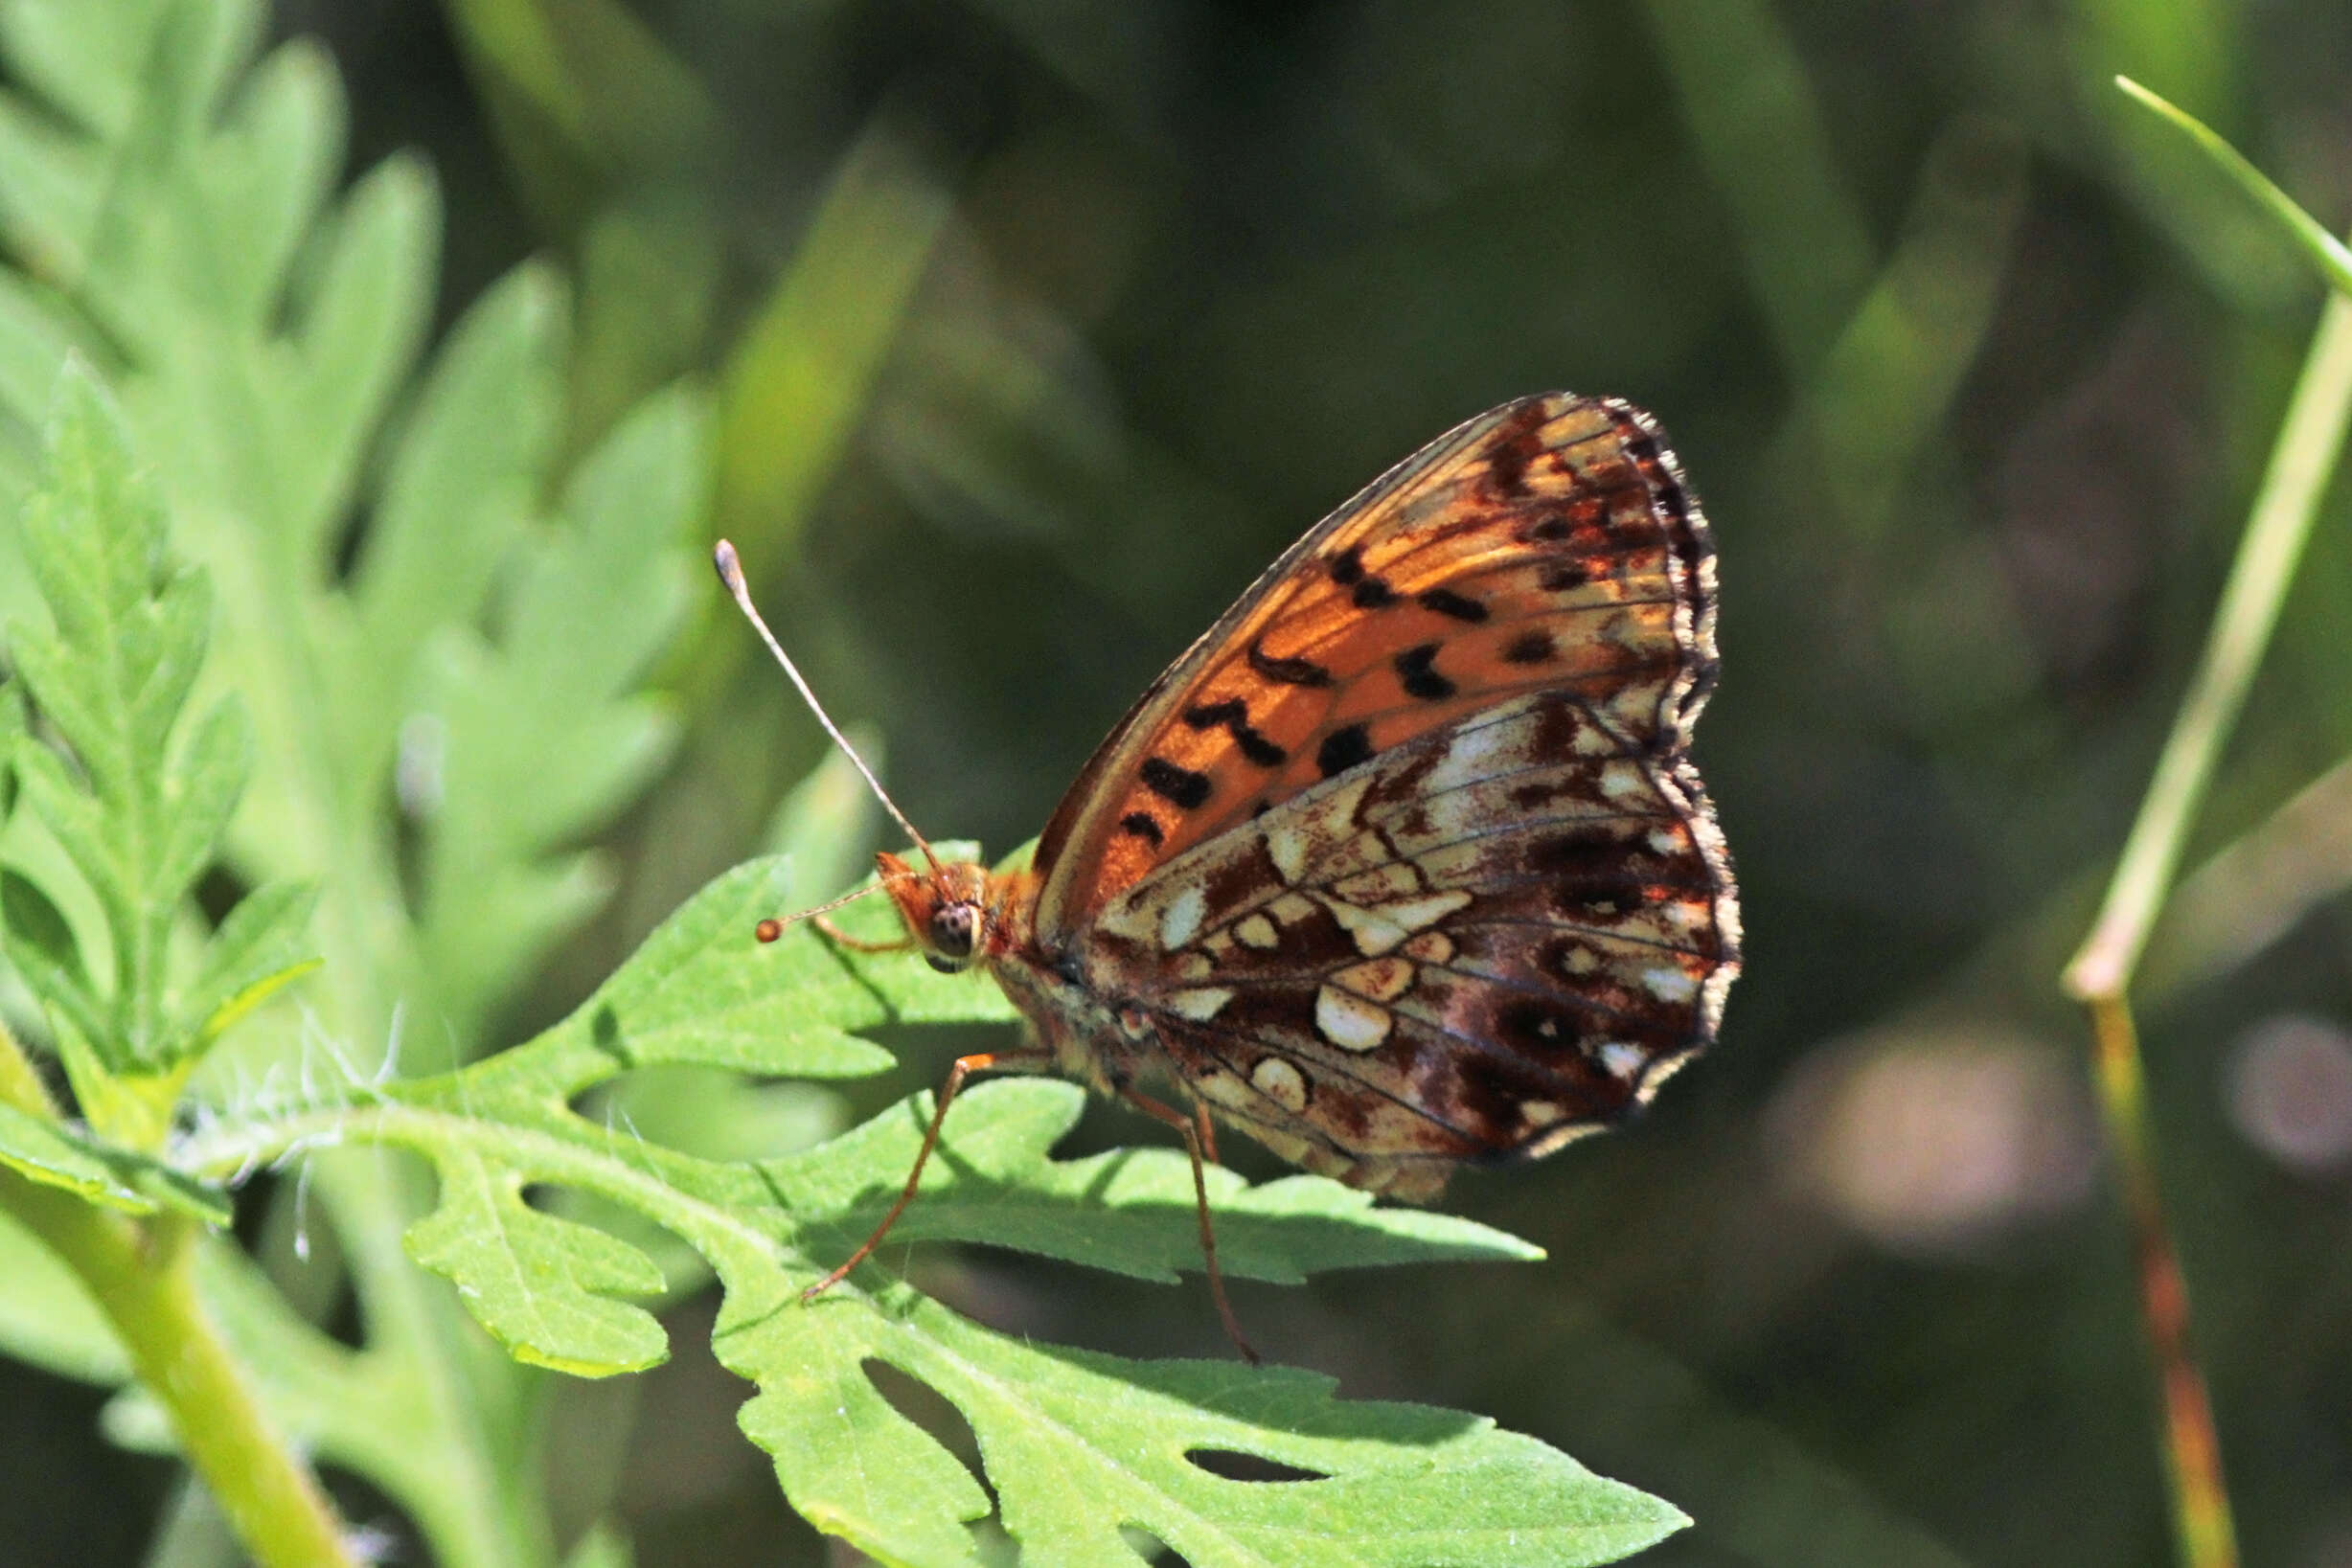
column 2205, row 1534
column 2100, row 974
column 142, row 1279
column 2301, row 464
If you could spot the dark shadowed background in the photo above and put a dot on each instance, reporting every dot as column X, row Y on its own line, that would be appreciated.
column 1974, row 370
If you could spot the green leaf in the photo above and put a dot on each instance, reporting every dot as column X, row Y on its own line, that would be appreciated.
column 258, row 951
column 1130, row 1211
column 47, row 1317
column 1079, row 1445
column 55, row 1156
column 146, row 812
column 41, row 948
column 112, row 677
column 172, row 186
column 535, row 1280
column 540, row 734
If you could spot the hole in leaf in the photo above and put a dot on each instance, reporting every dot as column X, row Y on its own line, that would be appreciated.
column 933, row 1411
column 374, row 1523
column 1151, row 1548
column 286, row 1229
column 1241, row 1466
column 254, row 1202
column 344, row 1325
column 218, row 891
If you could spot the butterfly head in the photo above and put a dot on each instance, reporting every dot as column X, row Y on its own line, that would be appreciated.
column 945, row 907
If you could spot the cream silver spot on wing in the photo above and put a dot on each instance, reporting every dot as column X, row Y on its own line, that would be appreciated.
column 1281, row 1082
column 1499, row 741
column 1669, row 984
column 1180, row 916
column 1350, row 1022
column 1622, row 781
column 1621, row 1059
column 1394, row 880
column 1431, row 948
column 1306, row 827
column 1502, row 745
column 1291, row 908
column 1386, row 926
column 1199, row 1003
column 1222, row 1088
column 1379, row 979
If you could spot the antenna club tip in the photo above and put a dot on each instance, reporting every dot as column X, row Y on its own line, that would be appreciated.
column 730, row 569
column 768, row 930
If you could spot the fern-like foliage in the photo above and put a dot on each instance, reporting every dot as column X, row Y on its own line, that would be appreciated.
column 409, row 673
column 138, row 808
column 437, row 714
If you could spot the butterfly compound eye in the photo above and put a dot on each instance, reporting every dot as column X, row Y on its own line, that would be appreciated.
column 955, row 929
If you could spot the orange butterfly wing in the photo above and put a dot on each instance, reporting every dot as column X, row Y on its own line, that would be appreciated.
column 1402, row 863
column 1548, row 543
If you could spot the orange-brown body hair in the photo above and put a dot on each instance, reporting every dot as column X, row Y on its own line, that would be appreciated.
column 945, row 904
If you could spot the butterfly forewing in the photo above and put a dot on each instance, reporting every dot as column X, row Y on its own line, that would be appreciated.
column 1404, row 860
column 1546, row 544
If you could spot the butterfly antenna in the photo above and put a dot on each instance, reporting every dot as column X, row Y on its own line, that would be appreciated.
column 731, row 573
column 774, row 926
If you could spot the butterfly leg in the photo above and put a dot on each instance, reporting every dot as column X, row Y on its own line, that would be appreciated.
column 1208, row 1130
column 858, row 945
column 1194, row 1137
column 964, row 1068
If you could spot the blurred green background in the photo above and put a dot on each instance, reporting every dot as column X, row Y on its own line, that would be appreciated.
column 1039, row 326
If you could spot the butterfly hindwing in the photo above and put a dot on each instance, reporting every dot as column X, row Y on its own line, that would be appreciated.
column 1484, row 942
column 1405, row 860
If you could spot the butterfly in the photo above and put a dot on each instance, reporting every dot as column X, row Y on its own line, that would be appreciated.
column 1403, row 865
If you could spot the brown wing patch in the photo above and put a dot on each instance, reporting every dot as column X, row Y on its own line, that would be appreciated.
column 1494, row 937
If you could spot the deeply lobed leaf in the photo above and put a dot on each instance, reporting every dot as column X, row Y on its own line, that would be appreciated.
column 1077, row 1445
column 173, row 194
column 142, row 807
